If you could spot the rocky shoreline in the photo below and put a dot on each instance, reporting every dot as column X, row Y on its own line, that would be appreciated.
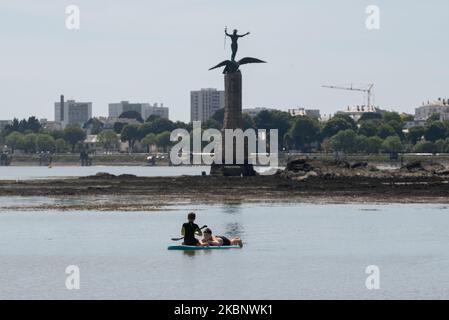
column 301, row 181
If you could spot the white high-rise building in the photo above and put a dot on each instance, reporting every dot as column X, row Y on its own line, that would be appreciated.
column 72, row 112
column 144, row 109
column 204, row 103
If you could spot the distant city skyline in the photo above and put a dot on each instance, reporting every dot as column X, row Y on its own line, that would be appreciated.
column 161, row 50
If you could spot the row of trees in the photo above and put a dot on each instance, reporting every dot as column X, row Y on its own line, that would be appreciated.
column 349, row 141
column 32, row 142
column 155, row 131
column 56, row 141
column 372, row 133
column 29, row 136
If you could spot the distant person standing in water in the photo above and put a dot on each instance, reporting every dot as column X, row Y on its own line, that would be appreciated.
column 234, row 38
column 190, row 229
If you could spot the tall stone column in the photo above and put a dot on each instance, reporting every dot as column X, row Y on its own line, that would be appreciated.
column 233, row 101
column 233, row 120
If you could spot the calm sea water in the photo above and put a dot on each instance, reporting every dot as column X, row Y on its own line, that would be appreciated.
column 316, row 251
column 36, row 172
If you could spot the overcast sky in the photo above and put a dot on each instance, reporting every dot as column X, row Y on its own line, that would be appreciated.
column 157, row 51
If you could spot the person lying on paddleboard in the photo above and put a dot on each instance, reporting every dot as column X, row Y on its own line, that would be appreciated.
column 211, row 240
column 189, row 230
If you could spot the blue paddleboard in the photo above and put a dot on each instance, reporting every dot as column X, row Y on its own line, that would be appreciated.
column 182, row 247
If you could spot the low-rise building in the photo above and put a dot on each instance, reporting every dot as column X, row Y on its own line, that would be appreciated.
column 156, row 110
column 252, row 112
column 144, row 109
column 93, row 145
column 426, row 110
column 108, row 123
column 311, row 113
column 356, row 112
column 50, row 125
column 325, row 117
column 4, row 123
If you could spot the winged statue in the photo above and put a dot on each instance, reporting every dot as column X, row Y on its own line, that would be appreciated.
column 232, row 65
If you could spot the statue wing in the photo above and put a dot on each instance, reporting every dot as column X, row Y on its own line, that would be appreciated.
column 221, row 64
column 250, row 60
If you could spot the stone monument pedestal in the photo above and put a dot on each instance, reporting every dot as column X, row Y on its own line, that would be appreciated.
column 233, row 120
column 233, row 101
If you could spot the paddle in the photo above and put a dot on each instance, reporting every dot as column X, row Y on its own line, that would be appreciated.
column 177, row 239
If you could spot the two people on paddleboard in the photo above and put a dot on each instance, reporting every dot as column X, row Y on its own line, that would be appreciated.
column 190, row 230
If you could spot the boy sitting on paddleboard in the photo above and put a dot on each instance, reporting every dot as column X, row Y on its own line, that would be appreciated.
column 189, row 230
column 210, row 240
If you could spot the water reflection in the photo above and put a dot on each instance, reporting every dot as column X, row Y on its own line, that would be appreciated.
column 233, row 208
column 60, row 172
column 234, row 228
column 35, row 172
column 189, row 253
column 192, row 253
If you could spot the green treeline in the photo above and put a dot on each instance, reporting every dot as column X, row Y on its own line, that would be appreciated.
column 372, row 133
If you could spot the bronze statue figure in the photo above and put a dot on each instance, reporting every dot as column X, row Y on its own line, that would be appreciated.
column 232, row 65
column 234, row 38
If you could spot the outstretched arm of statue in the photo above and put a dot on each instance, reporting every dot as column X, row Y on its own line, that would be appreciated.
column 243, row 35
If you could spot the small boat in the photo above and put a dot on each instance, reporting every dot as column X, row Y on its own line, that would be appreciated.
column 189, row 248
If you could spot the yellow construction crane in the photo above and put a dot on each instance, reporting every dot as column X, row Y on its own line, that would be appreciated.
column 368, row 90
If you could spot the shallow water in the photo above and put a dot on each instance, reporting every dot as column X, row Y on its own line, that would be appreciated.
column 295, row 251
column 36, row 172
column 30, row 172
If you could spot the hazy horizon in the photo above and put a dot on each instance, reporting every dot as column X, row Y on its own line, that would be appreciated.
column 158, row 51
